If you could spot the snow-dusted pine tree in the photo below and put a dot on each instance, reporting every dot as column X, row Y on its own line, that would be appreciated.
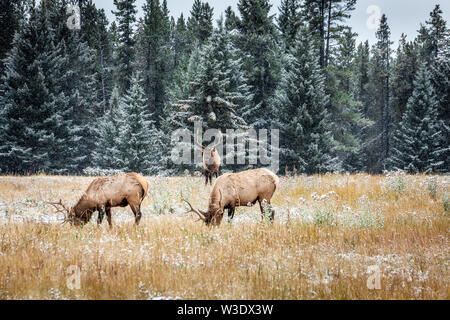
column 107, row 153
column 440, row 78
column 379, row 136
column 200, row 22
column 83, row 102
column 217, row 92
column 175, row 114
column 136, row 145
column 33, row 130
column 126, row 18
column 257, row 38
column 72, row 81
column 416, row 142
column 299, row 105
column 289, row 20
column 344, row 108
column 154, row 57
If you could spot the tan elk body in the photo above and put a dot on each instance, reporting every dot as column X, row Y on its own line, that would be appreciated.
column 232, row 190
column 211, row 163
column 105, row 193
column 211, row 160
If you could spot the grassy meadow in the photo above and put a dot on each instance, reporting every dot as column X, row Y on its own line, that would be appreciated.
column 330, row 231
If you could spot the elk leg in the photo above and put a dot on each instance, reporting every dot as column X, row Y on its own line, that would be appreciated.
column 210, row 179
column 206, row 177
column 101, row 214
column 262, row 209
column 231, row 212
column 108, row 215
column 137, row 213
column 272, row 212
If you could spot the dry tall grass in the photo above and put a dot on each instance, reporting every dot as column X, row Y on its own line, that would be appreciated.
column 328, row 230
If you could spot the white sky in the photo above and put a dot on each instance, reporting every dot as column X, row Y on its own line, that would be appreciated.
column 404, row 16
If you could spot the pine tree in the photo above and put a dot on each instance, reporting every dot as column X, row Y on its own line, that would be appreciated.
column 300, row 105
column 432, row 35
column 138, row 132
column 94, row 31
column 440, row 69
column 217, row 92
column 231, row 19
column 441, row 85
column 200, row 23
column 84, row 105
column 324, row 18
column 289, row 21
column 33, row 130
column 10, row 15
column 257, row 40
column 154, row 56
column 416, row 142
column 345, row 110
column 441, row 81
column 107, row 153
column 181, row 46
column 78, row 76
column 362, row 61
column 362, row 93
column 184, row 80
column 379, row 139
column 403, row 74
column 114, row 38
column 126, row 19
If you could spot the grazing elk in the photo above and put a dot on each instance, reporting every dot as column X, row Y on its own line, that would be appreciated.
column 232, row 190
column 105, row 193
column 211, row 160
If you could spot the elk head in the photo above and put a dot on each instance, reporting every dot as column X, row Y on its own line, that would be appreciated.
column 212, row 149
column 211, row 159
column 203, row 215
column 211, row 217
column 70, row 215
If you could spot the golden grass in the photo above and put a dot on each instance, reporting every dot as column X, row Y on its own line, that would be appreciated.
column 328, row 230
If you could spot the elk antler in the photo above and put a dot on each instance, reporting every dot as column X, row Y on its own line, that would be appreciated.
column 220, row 140
column 55, row 204
column 63, row 210
column 197, row 143
column 201, row 216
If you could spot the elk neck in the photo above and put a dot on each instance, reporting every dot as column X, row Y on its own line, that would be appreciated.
column 215, row 201
column 83, row 205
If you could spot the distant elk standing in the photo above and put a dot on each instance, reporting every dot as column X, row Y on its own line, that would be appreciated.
column 211, row 159
column 232, row 190
column 128, row 189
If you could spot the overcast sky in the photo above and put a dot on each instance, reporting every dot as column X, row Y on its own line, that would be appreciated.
column 404, row 16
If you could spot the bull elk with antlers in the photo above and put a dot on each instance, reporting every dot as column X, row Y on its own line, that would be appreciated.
column 232, row 190
column 211, row 159
column 103, row 194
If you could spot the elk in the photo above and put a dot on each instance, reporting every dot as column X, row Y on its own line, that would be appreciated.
column 211, row 159
column 232, row 190
column 105, row 193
